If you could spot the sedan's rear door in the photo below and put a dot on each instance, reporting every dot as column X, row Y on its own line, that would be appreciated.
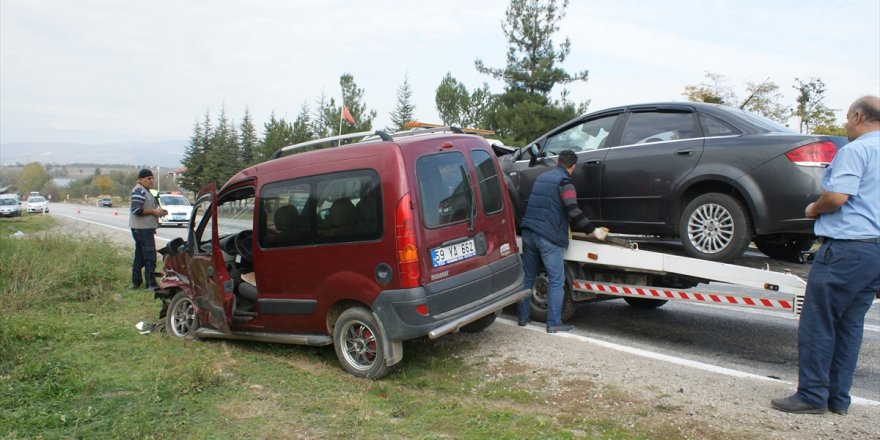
column 658, row 148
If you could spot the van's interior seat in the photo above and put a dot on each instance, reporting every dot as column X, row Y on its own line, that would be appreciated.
column 342, row 218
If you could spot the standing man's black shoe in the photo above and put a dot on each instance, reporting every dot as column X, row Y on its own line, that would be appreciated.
column 840, row 412
column 560, row 328
column 794, row 405
column 522, row 322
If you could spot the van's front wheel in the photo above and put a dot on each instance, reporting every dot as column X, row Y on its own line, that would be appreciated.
column 360, row 344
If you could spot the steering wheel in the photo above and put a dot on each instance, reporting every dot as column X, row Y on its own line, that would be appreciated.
column 244, row 241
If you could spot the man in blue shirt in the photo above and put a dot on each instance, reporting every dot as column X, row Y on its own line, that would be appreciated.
column 845, row 275
column 552, row 206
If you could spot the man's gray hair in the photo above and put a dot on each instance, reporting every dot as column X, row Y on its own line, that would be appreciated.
column 869, row 107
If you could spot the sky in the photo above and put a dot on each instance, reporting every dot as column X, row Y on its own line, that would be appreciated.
column 93, row 71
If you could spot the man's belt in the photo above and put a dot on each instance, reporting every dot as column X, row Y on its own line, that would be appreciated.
column 875, row 240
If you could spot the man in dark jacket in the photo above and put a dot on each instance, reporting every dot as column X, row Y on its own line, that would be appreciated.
column 552, row 206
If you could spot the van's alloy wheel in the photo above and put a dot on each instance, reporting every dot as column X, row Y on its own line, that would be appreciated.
column 181, row 319
column 360, row 344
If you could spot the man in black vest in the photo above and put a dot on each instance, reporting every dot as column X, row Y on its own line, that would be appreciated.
column 551, row 207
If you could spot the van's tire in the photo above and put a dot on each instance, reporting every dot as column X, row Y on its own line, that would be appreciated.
column 787, row 247
column 181, row 319
column 360, row 344
column 480, row 324
column 715, row 227
column 539, row 300
column 645, row 303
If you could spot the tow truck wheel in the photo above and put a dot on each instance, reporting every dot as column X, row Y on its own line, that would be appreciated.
column 539, row 300
column 644, row 303
column 181, row 320
column 480, row 324
column 360, row 344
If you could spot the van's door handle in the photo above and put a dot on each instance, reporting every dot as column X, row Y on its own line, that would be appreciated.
column 686, row 152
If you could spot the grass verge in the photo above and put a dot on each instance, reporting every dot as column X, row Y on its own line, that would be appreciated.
column 73, row 366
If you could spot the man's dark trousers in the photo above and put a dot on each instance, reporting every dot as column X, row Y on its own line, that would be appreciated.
column 843, row 282
column 144, row 257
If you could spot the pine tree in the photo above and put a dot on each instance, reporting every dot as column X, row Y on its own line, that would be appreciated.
column 195, row 156
column 277, row 133
column 526, row 110
column 248, row 139
column 404, row 110
column 353, row 101
column 223, row 151
column 302, row 127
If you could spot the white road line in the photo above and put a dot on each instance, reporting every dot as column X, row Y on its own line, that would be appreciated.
column 674, row 360
column 777, row 314
column 106, row 226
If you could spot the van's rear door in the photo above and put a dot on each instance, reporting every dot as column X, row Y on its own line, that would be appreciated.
column 465, row 222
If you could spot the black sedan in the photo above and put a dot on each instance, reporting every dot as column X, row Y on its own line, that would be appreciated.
column 714, row 176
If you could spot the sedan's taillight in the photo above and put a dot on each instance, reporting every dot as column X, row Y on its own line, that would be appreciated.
column 817, row 154
column 407, row 249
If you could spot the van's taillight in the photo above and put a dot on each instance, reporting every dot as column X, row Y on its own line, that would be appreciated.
column 817, row 154
column 407, row 250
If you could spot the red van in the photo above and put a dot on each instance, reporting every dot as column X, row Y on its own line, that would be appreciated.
column 361, row 246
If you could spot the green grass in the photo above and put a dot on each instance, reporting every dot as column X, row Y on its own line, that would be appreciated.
column 73, row 366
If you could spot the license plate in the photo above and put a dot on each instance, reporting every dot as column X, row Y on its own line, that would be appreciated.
column 178, row 217
column 455, row 252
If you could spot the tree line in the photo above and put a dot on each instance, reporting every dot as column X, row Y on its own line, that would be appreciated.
column 524, row 110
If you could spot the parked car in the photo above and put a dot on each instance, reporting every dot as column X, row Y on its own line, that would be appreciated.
column 105, row 202
column 9, row 205
column 179, row 210
column 714, row 176
column 362, row 246
column 37, row 204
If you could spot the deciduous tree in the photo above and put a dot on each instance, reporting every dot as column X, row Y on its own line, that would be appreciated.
column 811, row 109
column 33, row 177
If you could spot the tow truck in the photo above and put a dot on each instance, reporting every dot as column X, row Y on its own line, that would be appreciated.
column 617, row 268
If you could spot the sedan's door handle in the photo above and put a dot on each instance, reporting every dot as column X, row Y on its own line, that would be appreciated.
column 686, row 152
column 593, row 162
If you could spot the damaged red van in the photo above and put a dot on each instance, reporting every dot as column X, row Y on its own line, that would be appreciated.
column 361, row 246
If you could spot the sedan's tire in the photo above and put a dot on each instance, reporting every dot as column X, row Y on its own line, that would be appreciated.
column 360, row 344
column 181, row 320
column 781, row 247
column 645, row 303
column 539, row 300
column 480, row 324
column 715, row 227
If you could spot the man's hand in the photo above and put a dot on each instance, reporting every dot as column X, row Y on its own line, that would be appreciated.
column 600, row 233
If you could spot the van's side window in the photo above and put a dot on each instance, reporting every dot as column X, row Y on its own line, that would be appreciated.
column 490, row 186
column 444, row 191
column 330, row 208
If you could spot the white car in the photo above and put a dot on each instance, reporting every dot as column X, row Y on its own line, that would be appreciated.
column 9, row 206
column 179, row 210
column 37, row 204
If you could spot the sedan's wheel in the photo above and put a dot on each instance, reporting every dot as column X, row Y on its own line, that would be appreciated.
column 715, row 227
column 182, row 320
column 539, row 300
column 360, row 344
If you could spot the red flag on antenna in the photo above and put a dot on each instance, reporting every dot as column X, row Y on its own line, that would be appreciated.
column 346, row 116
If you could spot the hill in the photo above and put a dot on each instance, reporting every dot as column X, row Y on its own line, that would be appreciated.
column 165, row 154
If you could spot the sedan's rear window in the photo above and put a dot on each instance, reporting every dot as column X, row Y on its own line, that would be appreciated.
column 648, row 127
column 444, row 191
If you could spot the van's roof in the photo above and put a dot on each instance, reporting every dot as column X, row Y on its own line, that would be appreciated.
column 372, row 147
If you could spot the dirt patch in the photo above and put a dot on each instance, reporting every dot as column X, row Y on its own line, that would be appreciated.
column 581, row 378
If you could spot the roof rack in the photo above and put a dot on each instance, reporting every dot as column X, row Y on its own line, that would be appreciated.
column 417, row 124
column 430, row 128
column 384, row 136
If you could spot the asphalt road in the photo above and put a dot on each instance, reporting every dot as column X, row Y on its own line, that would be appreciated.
column 752, row 341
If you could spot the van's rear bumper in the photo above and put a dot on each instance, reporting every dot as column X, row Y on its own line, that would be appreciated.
column 452, row 303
